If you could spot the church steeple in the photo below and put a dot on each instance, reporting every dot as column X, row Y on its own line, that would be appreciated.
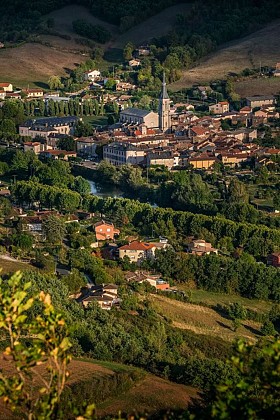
column 164, row 94
column 164, row 108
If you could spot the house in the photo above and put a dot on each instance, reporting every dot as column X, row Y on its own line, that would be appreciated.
column 260, row 100
column 119, row 153
column 7, row 87
column 33, row 93
column 153, row 279
column 34, row 147
column 32, row 224
column 233, row 159
column 274, row 259
column 12, row 95
column 202, row 161
column 219, row 108
column 134, row 63
column 92, row 75
column 86, row 146
column 143, row 50
column 139, row 251
column 104, row 231
column 2, row 45
column 58, row 154
column 2, row 94
column 124, row 87
column 277, row 70
column 167, row 158
column 106, row 295
column 200, row 247
column 204, row 91
column 139, row 116
column 198, row 132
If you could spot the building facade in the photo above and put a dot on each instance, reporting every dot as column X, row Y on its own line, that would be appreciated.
column 123, row 153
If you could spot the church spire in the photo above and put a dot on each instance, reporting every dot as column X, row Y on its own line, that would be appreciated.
column 164, row 108
column 164, row 94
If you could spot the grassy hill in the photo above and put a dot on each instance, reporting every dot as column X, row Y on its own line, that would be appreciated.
column 114, row 387
column 262, row 47
column 204, row 320
column 34, row 63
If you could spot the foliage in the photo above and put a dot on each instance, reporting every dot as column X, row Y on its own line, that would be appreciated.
column 268, row 328
column 54, row 229
column 96, row 32
column 50, row 348
column 256, row 391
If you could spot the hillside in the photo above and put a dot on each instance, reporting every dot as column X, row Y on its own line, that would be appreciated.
column 154, row 27
column 262, row 47
column 33, row 64
column 114, row 387
column 203, row 320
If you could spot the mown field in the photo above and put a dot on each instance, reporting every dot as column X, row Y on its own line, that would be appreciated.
column 146, row 392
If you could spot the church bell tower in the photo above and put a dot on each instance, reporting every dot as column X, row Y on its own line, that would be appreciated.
column 164, row 109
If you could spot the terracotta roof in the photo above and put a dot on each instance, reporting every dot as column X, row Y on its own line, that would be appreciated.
column 4, row 85
column 137, row 246
column 199, row 131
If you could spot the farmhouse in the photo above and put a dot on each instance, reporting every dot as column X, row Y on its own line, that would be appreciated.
column 92, row 75
column 7, row 87
column 140, row 251
column 33, row 93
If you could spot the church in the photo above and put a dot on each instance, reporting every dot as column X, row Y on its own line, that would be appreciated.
column 160, row 120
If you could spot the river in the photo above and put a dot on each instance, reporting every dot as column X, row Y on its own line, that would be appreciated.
column 104, row 190
column 108, row 191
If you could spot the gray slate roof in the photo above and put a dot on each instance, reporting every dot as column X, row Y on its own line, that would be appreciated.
column 135, row 112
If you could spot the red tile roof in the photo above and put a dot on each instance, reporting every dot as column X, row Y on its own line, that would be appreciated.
column 137, row 246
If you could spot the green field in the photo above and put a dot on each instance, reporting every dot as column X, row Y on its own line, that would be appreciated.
column 96, row 120
column 212, row 299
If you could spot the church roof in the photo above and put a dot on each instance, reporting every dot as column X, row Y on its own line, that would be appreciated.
column 136, row 112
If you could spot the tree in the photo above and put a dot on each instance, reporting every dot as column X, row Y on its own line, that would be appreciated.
column 83, row 129
column 253, row 392
column 66, row 143
column 81, row 185
column 50, row 348
column 54, row 229
column 7, row 125
column 55, row 82
column 127, row 51
column 237, row 192
column 268, row 328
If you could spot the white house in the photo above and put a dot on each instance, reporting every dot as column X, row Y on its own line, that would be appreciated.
column 92, row 75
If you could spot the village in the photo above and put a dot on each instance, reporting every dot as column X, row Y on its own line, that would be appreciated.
column 176, row 137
